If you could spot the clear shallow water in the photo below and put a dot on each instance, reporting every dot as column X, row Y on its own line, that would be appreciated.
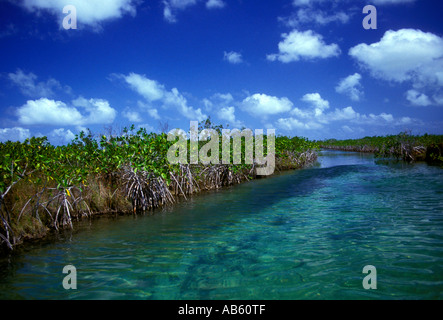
column 300, row 235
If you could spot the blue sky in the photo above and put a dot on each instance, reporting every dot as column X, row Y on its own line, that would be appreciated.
column 302, row 67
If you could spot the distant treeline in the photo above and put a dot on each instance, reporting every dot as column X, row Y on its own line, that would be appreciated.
column 45, row 187
column 403, row 146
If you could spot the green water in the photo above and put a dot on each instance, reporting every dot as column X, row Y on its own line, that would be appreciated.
column 305, row 234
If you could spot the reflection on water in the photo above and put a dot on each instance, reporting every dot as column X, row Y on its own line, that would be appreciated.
column 332, row 158
column 306, row 234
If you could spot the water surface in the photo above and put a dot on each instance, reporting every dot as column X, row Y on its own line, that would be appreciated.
column 305, row 234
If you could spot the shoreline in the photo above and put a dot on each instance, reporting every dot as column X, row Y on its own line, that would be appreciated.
column 416, row 154
column 50, row 233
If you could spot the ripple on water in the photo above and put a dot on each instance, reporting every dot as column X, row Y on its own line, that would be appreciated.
column 301, row 235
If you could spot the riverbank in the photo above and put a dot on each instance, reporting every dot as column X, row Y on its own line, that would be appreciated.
column 47, row 188
column 403, row 146
column 110, row 204
column 305, row 234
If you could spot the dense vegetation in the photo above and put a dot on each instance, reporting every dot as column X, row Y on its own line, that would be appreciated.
column 402, row 146
column 44, row 187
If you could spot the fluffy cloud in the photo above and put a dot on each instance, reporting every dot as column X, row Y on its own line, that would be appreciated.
column 151, row 90
column 301, row 114
column 438, row 99
column 418, row 99
column 174, row 99
column 262, row 105
column 145, row 107
column 351, row 87
column 316, row 121
column 28, row 85
column 50, row 112
column 146, row 126
column 47, row 112
column 155, row 92
column 132, row 116
column 61, row 136
column 14, row 134
column 89, row 12
column 404, row 55
column 303, row 45
column 316, row 102
column 153, row 113
column 222, row 98
column 290, row 124
column 228, row 114
column 315, row 116
column 99, row 111
column 307, row 15
column 233, row 57
column 172, row 7
column 347, row 113
column 215, row 4
column 218, row 100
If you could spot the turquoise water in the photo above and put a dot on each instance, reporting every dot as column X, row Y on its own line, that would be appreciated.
column 305, row 234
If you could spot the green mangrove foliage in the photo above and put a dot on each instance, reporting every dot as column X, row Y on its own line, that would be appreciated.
column 44, row 187
column 402, row 146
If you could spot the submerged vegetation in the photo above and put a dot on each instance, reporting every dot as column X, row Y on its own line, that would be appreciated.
column 403, row 146
column 45, row 187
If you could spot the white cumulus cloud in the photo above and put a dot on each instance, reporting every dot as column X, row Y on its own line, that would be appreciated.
column 317, row 102
column 98, row 111
column 262, row 105
column 50, row 112
column 215, row 4
column 218, row 101
column 404, row 55
column 351, row 87
column 61, row 136
column 303, row 45
column 148, row 108
column 172, row 7
column 89, row 12
column 174, row 99
column 418, row 99
column 228, row 114
column 151, row 90
column 291, row 123
column 347, row 113
column 156, row 93
column 132, row 116
column 233, row 57
column 14, row 134
column 316, row 116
